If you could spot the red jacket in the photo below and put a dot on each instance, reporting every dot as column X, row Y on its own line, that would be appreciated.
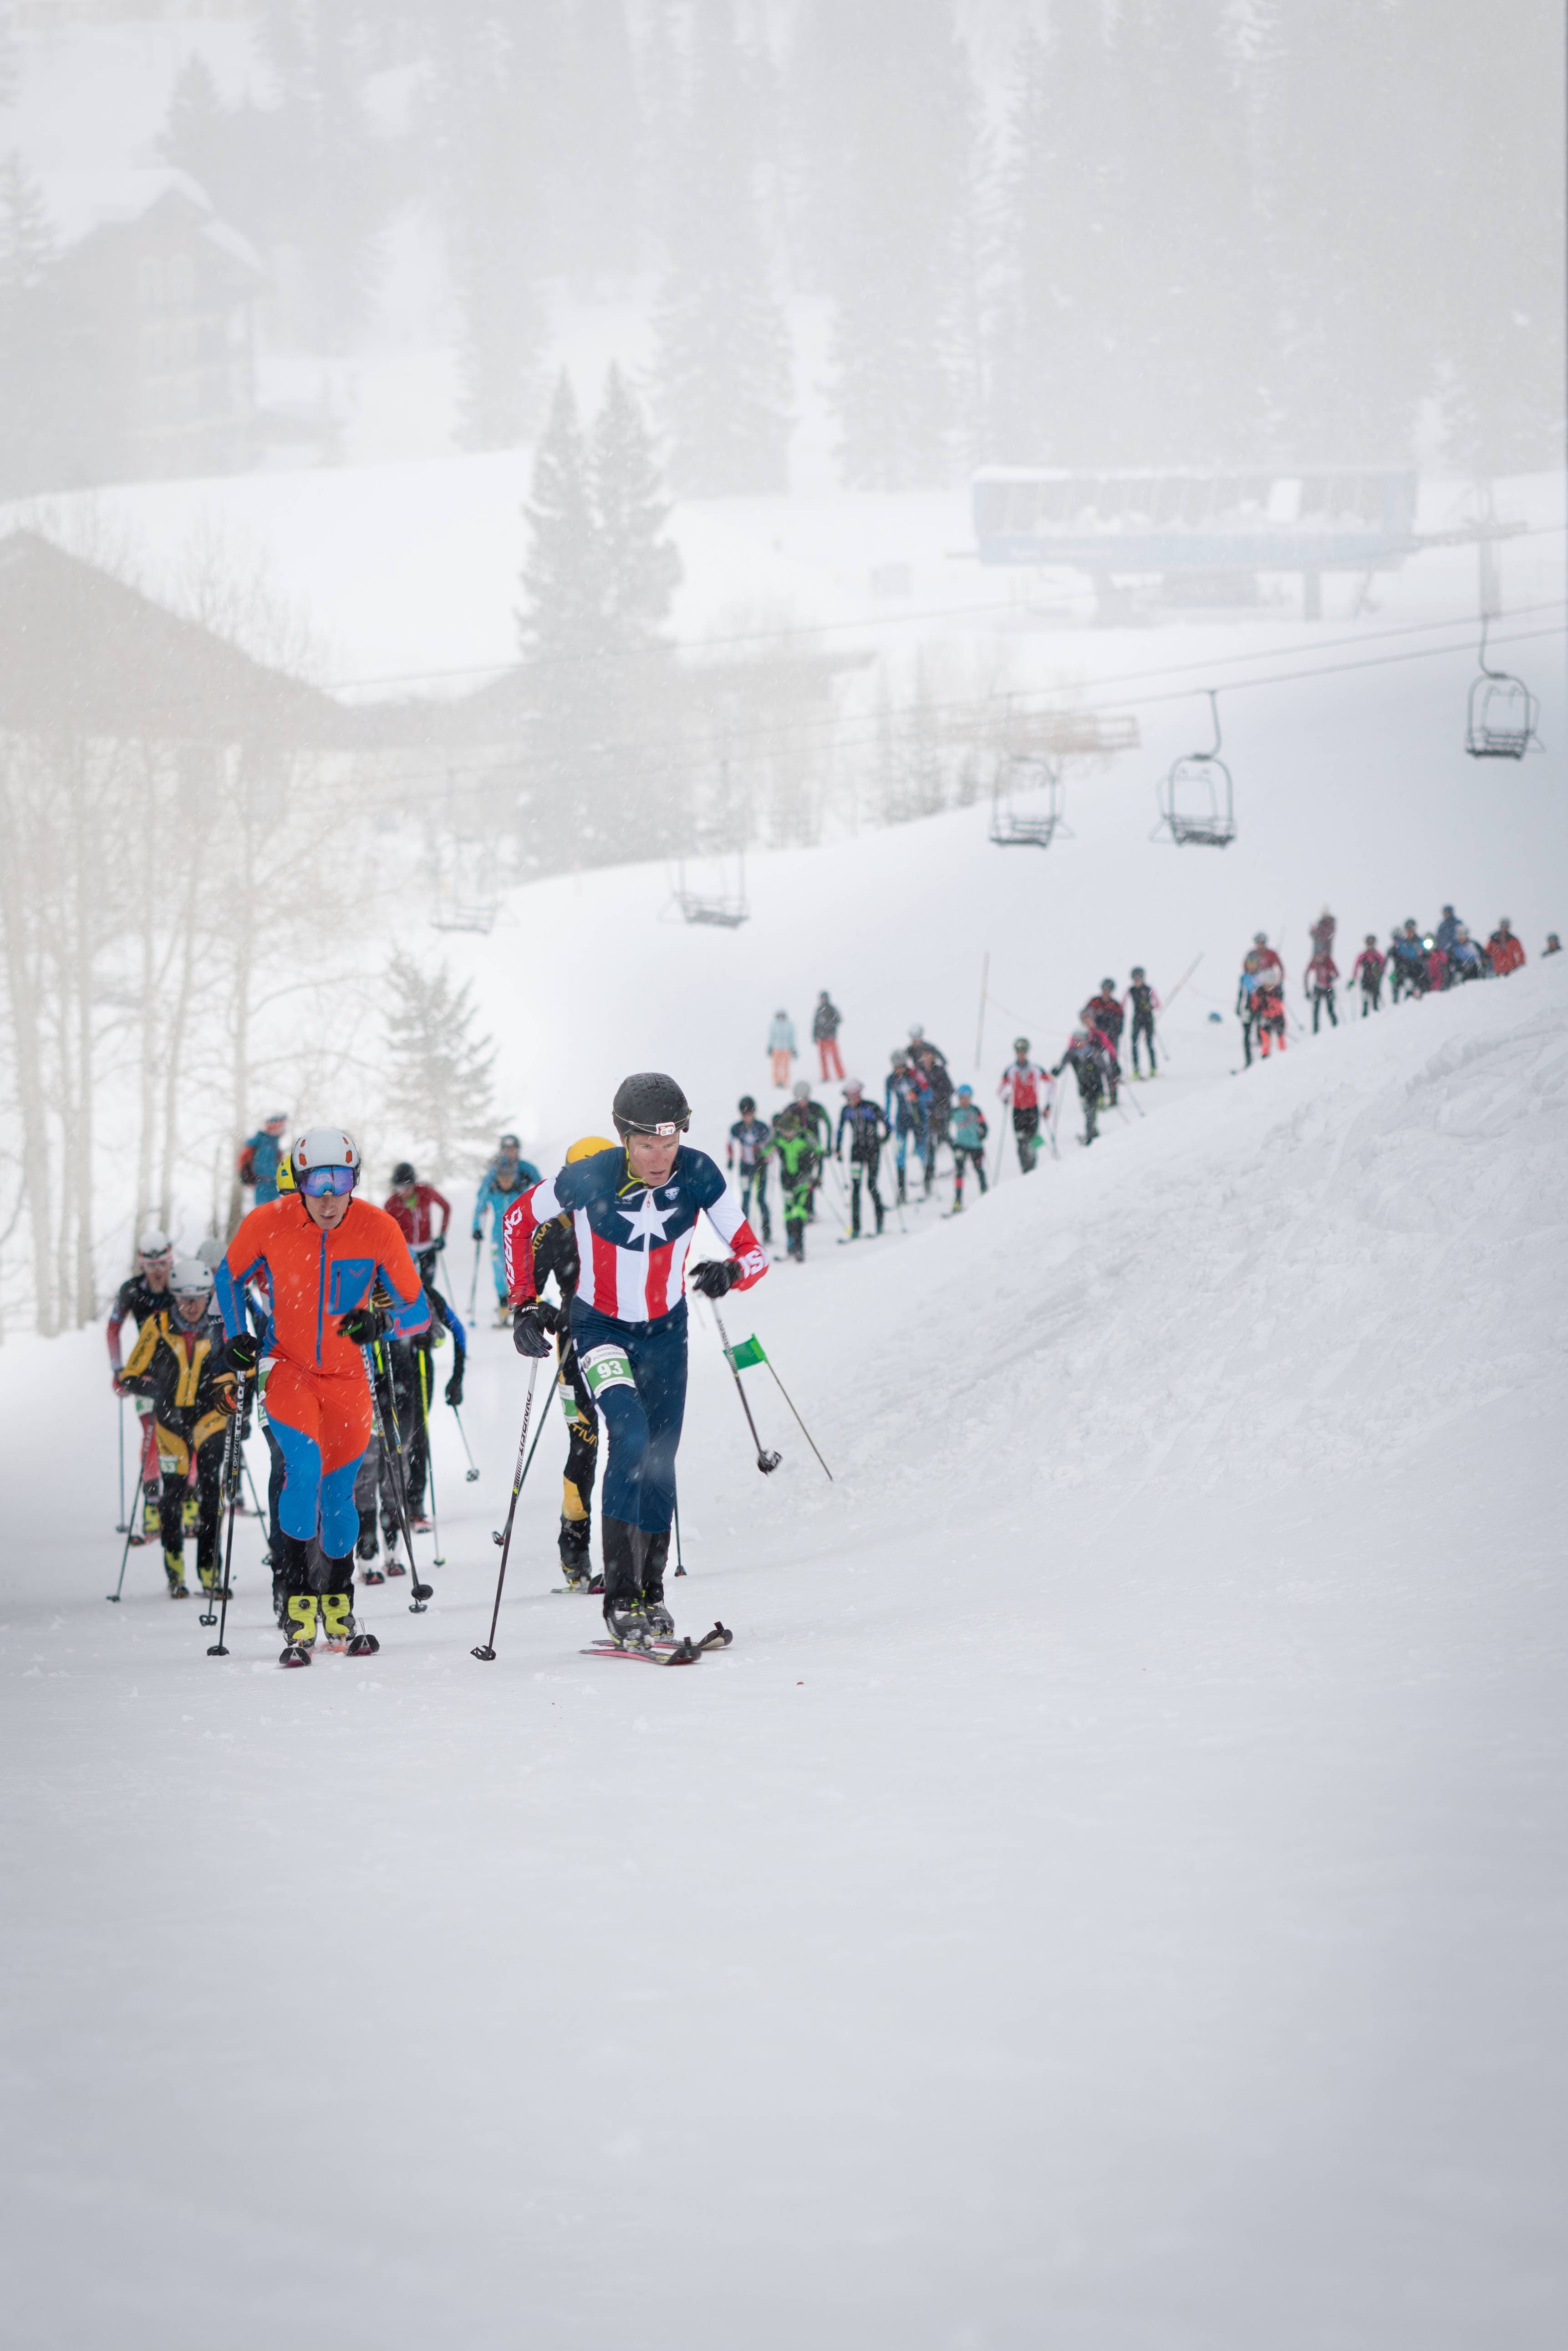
column 1321, row 972
column 1505, row 952
column 413, row 1218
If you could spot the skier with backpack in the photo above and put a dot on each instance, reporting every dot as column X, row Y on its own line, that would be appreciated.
column 825, row 1024
column 260, row 1157
column 1087, row 1062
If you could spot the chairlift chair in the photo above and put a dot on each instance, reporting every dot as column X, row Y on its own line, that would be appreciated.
column 723, row 909
column 468, row 889
column 1198, row 807
column 1027, row 772
column 1502, row 715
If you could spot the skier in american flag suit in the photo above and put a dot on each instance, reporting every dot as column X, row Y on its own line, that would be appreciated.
column 634, row 1211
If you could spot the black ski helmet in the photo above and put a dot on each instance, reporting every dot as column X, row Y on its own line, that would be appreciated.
column 747, row 1102
column 403, row 1173
column 650, row 1103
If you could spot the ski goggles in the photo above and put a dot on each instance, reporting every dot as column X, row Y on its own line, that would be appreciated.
column 317, row 1182
column 666, row 1127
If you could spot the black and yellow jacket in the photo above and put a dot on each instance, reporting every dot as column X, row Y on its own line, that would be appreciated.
column 176, row 1364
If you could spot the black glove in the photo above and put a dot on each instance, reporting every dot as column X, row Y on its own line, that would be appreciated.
column 454, row 1389
column 476, row 1235
column 360, row 1325
column 438, row 1243
column 716, row 1276
column 551, row 1316
column 242, row 1354
column 528, row 1333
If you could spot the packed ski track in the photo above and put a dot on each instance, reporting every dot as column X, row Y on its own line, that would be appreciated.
column 1109, row 1894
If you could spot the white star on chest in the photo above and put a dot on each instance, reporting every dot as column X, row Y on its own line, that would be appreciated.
column 648, row 1225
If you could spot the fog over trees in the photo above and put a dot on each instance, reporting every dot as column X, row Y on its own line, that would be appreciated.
column 897, row 239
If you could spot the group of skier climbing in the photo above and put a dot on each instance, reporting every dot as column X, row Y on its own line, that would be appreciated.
column 921, row 1113
column 1415, row 963
column 321, row 1319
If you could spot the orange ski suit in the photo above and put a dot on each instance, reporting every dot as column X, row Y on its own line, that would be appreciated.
column 317, row 1396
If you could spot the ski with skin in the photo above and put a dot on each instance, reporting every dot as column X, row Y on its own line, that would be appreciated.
column 670, row 1651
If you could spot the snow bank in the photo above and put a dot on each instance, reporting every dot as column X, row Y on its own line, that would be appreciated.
column 1108, row 1896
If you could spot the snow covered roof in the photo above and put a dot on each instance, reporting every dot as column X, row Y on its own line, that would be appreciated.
column 77, row 203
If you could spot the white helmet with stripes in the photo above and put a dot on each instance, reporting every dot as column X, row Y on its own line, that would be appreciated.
column 324, row 1146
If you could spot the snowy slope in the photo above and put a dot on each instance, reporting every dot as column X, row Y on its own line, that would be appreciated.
column 1109, row 1895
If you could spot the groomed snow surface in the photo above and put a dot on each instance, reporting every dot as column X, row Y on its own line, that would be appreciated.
column 1109, row 1895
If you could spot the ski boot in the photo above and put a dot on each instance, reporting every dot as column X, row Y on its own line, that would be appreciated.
column 338, row 1629
column 365, row 1550
column 628, row 1624
column 209, row 1578
column 388, row 1548
column 657, row 1553
column 576, row 1564
column 174, row 1569
column 299, row 1624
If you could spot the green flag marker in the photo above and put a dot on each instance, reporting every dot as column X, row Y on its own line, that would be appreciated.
column 749, row 1352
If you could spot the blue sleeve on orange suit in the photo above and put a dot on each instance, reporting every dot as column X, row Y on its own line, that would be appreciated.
column 411, row 1314
column 245, row 1259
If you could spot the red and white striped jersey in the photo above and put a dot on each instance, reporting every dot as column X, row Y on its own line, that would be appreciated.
column 633, row 1238
column 1026, row 1086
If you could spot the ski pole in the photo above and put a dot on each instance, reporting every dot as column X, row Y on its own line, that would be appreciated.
column 486, row 1649
column 765, row 1461
column 473, row 1285
column 429, row 1451
column 472, row 1472
column 228, row 1489
column 217, row 1648
column 680, row 1564
column 798, row 1422
column 124, row 1555
column 392, row 1454
column 122, row 1522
